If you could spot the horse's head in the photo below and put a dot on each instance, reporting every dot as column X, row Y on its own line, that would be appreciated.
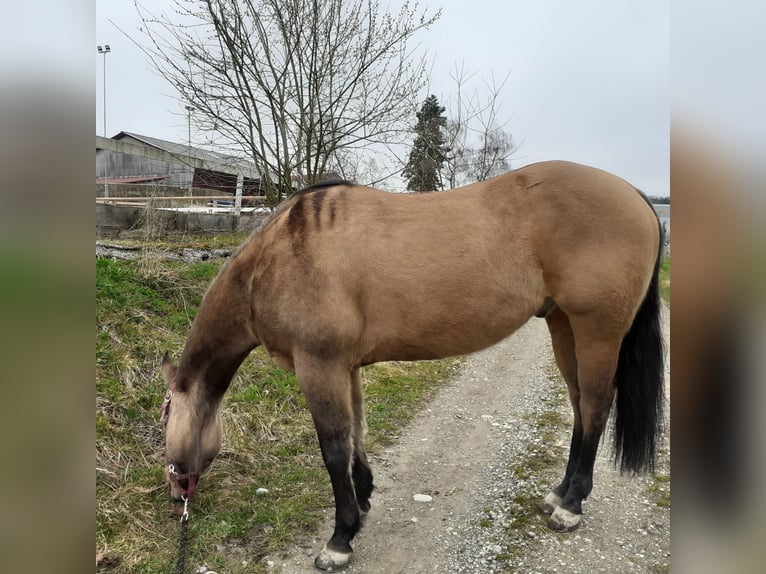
column 192, row 434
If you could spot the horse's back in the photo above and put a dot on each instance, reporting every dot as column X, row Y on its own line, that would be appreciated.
column 427, row 275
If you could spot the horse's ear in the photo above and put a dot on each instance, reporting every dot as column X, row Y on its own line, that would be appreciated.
column 168, row 370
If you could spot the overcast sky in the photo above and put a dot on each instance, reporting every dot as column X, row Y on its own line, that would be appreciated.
column 589, row 80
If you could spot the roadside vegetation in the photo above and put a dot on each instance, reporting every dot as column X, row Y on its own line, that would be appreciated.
column 665, row 280
column 144, row 308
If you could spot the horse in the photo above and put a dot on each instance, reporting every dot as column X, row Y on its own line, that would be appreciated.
column 343, row 276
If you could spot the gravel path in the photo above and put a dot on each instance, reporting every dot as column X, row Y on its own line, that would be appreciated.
column 486, row 450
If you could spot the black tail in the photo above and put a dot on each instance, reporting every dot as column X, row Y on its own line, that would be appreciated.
column 640, row 384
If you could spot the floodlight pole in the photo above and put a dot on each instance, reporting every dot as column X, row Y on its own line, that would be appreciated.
column 189, row 110
column 104, row 50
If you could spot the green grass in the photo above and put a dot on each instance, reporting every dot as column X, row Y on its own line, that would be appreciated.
column 143, row 309
column 665, row 280
column 141, row 238
column 659, row 489
column 392, row 390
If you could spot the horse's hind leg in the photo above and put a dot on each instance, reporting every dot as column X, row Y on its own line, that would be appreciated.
column 360, row 470
column 566, row 359
column 598, row 342
column 328, row 394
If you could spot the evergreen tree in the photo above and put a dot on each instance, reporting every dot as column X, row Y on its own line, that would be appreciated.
column 423, row 170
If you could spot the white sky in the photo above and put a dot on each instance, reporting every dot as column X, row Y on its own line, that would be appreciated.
column 589, row 80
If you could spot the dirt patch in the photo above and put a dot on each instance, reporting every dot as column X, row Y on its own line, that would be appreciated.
column 487, row 448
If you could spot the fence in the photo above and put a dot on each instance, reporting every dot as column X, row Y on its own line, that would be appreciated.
column 153, row 209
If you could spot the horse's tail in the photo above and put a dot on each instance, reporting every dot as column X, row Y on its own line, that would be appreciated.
column 640, row 383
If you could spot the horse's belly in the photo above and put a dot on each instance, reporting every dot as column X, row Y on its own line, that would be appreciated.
column 446, row 338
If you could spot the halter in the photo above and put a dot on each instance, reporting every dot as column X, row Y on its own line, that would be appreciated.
column 177, row 475
column 164, row 411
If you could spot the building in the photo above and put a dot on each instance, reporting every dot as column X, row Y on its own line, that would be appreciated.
column 129, row 160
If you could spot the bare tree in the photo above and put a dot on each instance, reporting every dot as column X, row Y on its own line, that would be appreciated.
column 492, row 155
column 301, row 86
column 479, row 145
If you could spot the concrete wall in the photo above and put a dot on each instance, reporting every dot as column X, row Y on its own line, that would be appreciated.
column 113, row 220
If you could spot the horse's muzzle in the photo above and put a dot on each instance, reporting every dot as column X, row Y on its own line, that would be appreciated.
column 183, row 486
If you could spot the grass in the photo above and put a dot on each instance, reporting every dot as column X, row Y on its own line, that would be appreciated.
column 143, row 310
column 659, row 490
column 665, row 280
column 156, row 242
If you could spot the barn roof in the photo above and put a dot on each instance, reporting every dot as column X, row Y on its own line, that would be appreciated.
column 183, row 149
column 137, row 179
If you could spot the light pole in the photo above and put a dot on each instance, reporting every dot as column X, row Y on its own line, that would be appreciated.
column 105, row 49
column 189, row 110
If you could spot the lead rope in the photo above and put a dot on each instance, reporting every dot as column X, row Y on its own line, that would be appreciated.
column 182, row 544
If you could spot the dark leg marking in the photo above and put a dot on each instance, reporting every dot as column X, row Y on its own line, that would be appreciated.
column 580, row 486
column 596, row 367
column 564, row 351
column 326, row 387
column 574, row 451
column 336, row 452
column 362, row 481
column 361, row 472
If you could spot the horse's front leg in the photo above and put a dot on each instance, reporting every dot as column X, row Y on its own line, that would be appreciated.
column 328, row 393
column 337, row 453
column 360, row 469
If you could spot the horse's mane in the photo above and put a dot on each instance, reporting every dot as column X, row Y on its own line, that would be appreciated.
column 322, row 184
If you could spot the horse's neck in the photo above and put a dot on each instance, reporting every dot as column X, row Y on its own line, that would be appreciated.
column 219, row 340
column 209, row 370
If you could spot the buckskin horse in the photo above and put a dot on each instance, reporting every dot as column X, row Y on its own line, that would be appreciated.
column 343, row 276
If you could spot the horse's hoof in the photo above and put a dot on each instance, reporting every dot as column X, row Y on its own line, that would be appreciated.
column 331, row 560
column 550, row 503
column 564, row 521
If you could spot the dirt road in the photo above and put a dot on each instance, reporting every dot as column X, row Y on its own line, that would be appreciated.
column 486, row 449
